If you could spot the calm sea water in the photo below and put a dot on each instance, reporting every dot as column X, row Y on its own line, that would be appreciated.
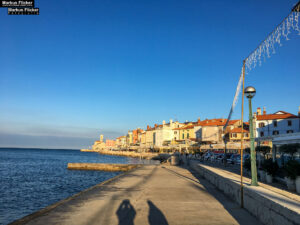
column 31, row 179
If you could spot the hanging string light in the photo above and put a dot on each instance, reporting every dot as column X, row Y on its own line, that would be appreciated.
column 267, row 47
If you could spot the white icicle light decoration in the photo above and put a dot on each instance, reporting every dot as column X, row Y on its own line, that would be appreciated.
column 235, row 99
column 289, row 24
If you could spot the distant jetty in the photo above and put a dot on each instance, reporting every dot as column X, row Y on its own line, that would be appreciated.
column 102, row 167
column 88, row 150
column 144, row 155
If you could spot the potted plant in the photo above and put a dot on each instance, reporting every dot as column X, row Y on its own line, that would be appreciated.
column 291, row 169
column 271, row 169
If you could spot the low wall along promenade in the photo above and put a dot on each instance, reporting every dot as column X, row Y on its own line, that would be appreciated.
column 270, row 205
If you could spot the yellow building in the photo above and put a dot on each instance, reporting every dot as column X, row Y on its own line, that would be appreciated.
column 236, row 133
column 142, row 138
column 129, row 138
column 185, row 132
column 149, row 136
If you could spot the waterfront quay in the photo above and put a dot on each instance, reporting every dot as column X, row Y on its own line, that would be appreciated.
column 152, row 194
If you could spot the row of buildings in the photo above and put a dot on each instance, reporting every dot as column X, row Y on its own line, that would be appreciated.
column 208, row 134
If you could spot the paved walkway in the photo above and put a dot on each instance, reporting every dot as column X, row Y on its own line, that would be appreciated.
column 150, row 195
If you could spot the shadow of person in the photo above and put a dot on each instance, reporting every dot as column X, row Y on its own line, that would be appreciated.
column 155, row 215
column 126, row 213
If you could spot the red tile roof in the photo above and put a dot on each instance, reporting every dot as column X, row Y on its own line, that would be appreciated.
column 277, row 115
column 231, row 122
column 212, row 122
column 189, row 127
column 208, row 122
column 216, row 122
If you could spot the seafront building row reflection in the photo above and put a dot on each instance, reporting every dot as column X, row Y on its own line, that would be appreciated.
column 208, row 134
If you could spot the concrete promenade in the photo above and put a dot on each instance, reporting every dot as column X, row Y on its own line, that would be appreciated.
column 153, row 194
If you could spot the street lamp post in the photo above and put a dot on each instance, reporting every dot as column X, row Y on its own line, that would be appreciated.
column 250, row 93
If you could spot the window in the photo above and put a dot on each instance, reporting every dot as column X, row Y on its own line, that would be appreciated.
column 290, row 131
column 262, row 134
column 182, row 136
column 187, row 135
column 261, row 125
column 246, row 134
column 275, row 123
column 233, row 135
column 175, row 132
column 289, row 123
column 275, row 132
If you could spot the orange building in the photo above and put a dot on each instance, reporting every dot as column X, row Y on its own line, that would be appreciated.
column 135, row 135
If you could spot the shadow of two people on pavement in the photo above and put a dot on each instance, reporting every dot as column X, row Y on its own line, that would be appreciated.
column 126, row 214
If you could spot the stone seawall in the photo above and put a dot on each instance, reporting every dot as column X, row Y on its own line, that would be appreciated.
column 268, row 206
column 101, row 166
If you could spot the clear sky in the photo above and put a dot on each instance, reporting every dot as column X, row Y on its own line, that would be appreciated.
column 82, row 68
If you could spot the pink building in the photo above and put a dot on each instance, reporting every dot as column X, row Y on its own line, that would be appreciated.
column 110, row 143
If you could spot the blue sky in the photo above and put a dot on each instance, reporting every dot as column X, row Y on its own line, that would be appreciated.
column 90, row 67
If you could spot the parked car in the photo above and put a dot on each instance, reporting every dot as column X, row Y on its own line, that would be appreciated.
column 238, row 159
column 207, row 156
column 225, row 157
column 220, row 158
column 232, row 158
column 214, row 157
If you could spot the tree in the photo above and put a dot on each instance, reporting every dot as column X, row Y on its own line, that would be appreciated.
column 263, row 149
column 290, row 149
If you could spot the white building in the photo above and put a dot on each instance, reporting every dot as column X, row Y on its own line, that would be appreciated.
column 278, row 123
column 164, row 134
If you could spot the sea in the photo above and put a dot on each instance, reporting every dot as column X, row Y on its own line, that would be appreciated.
column 31, row 179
